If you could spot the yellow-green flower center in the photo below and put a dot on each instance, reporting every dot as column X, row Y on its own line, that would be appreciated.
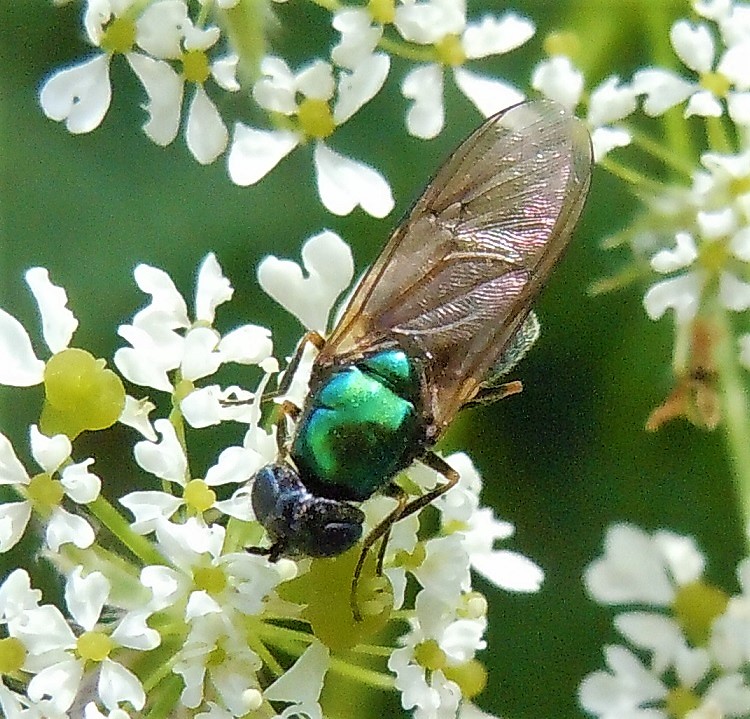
column 94, row 646
column 382, row 11
column 119, row 36
column 473, row 606
column 740, row 186
column 562, row 43
column 315, row 118
column 695, row 607
column 12, row 655
column 198, row 495
column 429, row 655
column 716, row 83
column 80, row 393
column 470, row 676
column 45, row 493
column 210, row 579
column 450, row 51
column 680, row 701
column 195, row 66
column 713, row 256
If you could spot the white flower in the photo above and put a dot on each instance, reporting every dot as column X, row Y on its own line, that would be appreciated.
column 59, row 659
column 43, row 492
column 609, row 102
column 19, row 366
column 80, row 95
column 723, row 78
column 305, row 98
column 442, row 23
column 167, row 461
column 163, row 338
column 637, row 567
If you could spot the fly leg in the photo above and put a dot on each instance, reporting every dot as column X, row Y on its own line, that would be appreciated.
column 403, row 509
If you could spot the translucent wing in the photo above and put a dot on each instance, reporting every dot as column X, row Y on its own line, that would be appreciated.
column 458, row 277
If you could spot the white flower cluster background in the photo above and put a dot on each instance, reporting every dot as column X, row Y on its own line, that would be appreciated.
column 187, row 186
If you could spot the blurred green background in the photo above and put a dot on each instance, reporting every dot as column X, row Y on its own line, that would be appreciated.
column 562, row 461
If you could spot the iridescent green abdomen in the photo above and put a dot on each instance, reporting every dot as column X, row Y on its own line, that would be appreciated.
column 361, row 426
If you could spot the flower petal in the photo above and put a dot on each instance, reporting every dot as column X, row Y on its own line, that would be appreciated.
column 693, row 45
column 206, row 134
column 80, row 95
column 212, row 289
column 344, row 183
column 360, row 85
column 58, row 322
column 496, row 36
column 426, row 116
column 488, row 95
column 66, row 528
column 254, row 153
column 559, row 80
column 19, row 366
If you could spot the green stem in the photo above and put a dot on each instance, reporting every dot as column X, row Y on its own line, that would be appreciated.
column 169, row 694
column 663, row 153
column 735, row 408
column 631, row 176
column 118, row 525
column 718, row 140
column 362, row 675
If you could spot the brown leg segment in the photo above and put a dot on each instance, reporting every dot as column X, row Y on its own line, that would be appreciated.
column 401, row 511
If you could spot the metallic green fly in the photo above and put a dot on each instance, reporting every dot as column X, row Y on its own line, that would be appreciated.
column 434, row 325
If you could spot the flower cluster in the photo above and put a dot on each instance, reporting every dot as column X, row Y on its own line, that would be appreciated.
column 175, row 52
column 686, row 652
column 163, row 607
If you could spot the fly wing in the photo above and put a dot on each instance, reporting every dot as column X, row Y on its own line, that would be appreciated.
column 458, row 277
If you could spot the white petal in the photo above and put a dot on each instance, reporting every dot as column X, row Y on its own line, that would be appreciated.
column 224, row 71
column 734, row 65
column 164, row 89
column 359, row 86
column 140, row 367
column 86, row 596
column 426, row 116
column 118, row 684
column 19, row 366
column 559, row 80
column 275, row 91
column 201, row 357
column 316, row 80
column 738, row 104
column 508, row 570
column 328, row 262
column 202, row 407
column 235, row 465
column 149, row 508
column 683, row 255
column 59, row 681
column 303, row 681
column 206, row 133
column 132, row 631
column 254, row 153
column 58, row 322
column 166, row 301
column 238, row 505
column 703, row 103
column 344, row 183
column 212, row 289
column 81, row 485
column 663, row 89
column 693, row 45
column 249, row 344
column 14, row 517
column 135, row 415
column 200, row 38
column 11, row 469
column 733, row 292
column 717, row 224
column 610, row 101
column 359, row 36
column 427, row 23
column 495, row 36
column 165, row 459
column 66, row 528
column 489, row 96
column 49, row 452
column 79, row 95
column 682, row 294
column 160, row 28
column 606, row 139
